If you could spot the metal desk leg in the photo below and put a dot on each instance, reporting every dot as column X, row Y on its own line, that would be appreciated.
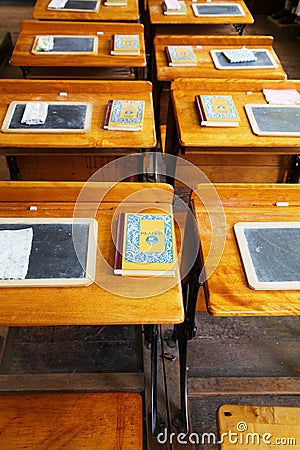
column 239, row 27
column 294, row 172
column 25, row 70
column 151, row 335
column 12, row 167
column 181, row 419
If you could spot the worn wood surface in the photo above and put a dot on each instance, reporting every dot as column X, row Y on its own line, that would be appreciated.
column 205, row 66
column 107, row 421
column 128, row 13
column 97, row 92
column 229, row 293
column 94, row 304
column 23, row 56
column 241, row 139
column 272, row 425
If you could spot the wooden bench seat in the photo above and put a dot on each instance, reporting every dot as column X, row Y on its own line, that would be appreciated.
column 258, row 427
column 102, row 421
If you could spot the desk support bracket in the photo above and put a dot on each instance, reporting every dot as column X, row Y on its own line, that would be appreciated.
column 151, row 337
column 13, row 168
column 294, row 172
column 239, row 27
column 25, row 70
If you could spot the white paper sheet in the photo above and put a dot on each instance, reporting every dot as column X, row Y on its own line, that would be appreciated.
column 15, row 249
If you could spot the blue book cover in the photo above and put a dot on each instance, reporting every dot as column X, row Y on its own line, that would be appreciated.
column 219, row 107
column 126, row 42
column 181, row 55
column 217, row 111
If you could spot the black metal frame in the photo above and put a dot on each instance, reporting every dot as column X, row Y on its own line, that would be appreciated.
column 186, row 330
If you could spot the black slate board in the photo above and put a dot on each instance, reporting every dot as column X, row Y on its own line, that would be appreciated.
column 61, row 251
column 207, row 9
column 69, row 44
column 274, row 120
column 62, row 116
column 264, row 61
column 270, row 254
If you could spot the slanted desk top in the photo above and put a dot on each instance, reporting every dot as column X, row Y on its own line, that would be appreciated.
column 128, row 13
column 228, row 290
column 159, row 302
column 103, row 32
column 202, row 46
column 96, row 139
column 240, row 140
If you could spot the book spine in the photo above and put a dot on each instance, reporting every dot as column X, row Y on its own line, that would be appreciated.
column 119, row 242
column 112, row 44
column 107, row 114
column 169, row 59
column 200, row 110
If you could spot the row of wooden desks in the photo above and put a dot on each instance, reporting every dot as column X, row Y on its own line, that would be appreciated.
column 117, row 300
column 76, row 64
column 130, row 13
column 96, row 140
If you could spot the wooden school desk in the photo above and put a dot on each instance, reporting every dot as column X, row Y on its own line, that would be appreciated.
column 202, row 45
column 73, row 156
column 226, row 290
column 228, row 293
column 103, row 301
column 230, row 154
column 266, row 426
column 100, row 64
column 128, row 13
column 177, row 24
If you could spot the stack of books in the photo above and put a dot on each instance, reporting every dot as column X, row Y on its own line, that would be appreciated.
column 180, row 55
column 177, row 7
column 145, row 245
column 125, row 44
column 124, row 115
column 217, row 111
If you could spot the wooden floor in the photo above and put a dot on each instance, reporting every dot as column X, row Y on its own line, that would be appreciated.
column 222, row 357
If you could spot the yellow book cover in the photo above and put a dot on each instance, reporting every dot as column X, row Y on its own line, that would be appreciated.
column 145, row 245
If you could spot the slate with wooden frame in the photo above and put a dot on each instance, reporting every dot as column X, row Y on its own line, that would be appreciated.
column 62, row 117
column 68, row 45
column 264, row 60
column 80, row 6
column 270, row 254
column 274, row 120
column 63, row 251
